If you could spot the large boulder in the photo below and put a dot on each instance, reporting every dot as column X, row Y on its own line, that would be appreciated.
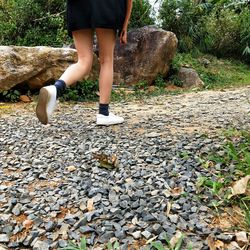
column 189, row 78
column 35, row 66
column 148, row 53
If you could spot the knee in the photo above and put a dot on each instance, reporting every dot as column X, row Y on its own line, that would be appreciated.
column 106, row 61
column 85, row 64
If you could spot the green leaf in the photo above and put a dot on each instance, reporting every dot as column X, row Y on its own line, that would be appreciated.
column 109, row 245
column 116, row 245
column 179, row 243
column 157, row 245
column 83, row 244
column 69, row 248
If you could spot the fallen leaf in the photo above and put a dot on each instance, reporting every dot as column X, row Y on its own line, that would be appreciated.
column 175, row 192
column 64, row 231
column 71, row 168
column 241, row 238
column 232, row 246
column 152, row 239
column 135, row 221
column 240, row 186
column 90, row 205
column 168, row 208
column 176, row 238
column 106, row 161
column 28, row 224
column 83, row 206
column 25, row 98
column 214, row 244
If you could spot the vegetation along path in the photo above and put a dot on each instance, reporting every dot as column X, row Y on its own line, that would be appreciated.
column 165, row 172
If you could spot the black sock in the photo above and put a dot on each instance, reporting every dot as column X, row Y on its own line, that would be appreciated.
column 104, row 109
column 60, row 87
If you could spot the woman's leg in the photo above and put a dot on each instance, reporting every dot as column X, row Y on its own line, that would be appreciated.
column 106, row 42
column 83, row 40
column 47, row 97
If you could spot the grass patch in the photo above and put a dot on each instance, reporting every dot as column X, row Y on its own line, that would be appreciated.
column 176, row 244
column 215, row 73
column 229, row 165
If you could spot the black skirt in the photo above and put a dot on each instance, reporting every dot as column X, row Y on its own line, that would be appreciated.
column 90, row 14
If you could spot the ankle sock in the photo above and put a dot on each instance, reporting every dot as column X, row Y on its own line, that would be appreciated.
column 104, row 109
column 60, row 87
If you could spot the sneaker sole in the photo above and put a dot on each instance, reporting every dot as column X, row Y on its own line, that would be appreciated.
column 108, row 124
column 41, row 107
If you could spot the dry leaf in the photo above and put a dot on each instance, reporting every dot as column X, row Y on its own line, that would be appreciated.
column 241, row 238
column 214, row 244
column 233, row 246
column 28, row 224
column 71, row 168
column 135, row 221
column 83, row 206
column 168, row 208
column 90, row 205
column 152, row 239
column 174, row 240
column 106, row 161
column 25, row 98
column 240, row 186
column 175, row 192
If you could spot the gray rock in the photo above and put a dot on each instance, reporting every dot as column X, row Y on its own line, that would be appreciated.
column 62, row 243
column 81, row 222
column 136, row 235
column 106, row 237
column 173, row 218
column 157, row 228
column 50, row 226
column 146, row 234
column 41, row 245
column 17, row 209
column 4, row 238
column 227, row 238
column 86, row 229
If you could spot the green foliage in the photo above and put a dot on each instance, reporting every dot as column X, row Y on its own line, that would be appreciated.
column 160, row 82
column 219, row 73
column 81, row 246
column 115, row 246
column 218, row 27
column 32, row 22
column 83, row 91
column 234, row 153
column 10, row 96
column 184, row 19
column 159, row 246
column 141, row 14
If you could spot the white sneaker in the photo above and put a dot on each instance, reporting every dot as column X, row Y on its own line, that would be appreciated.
column 108, row 120
column 46, row 103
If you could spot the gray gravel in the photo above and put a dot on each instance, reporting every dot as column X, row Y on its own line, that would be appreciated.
column 157, row 149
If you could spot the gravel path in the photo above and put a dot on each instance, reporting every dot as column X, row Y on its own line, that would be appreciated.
column 52, row 189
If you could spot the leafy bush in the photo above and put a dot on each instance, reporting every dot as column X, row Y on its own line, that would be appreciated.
column 83, row 91
column 32, row 22
column 141, row 14
column 184, row 19
column 10, row 96
column 218, row 27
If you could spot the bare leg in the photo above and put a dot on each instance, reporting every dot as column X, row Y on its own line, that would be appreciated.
column 83, row 40
column 106, row 41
